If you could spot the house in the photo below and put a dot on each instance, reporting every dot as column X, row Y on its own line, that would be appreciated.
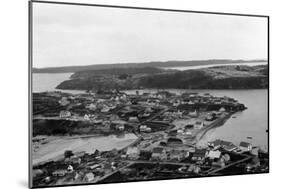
column 73, row 160
column 70, row 169
column 226, row 158
column 193, row 114
column 133, row 120
column 144, row 128
column 199, row 155
column 214, row 154
column 92, row 107
column 133, row 153
column 228, row 146
column 215, row 144
column 64, row 101
column 89, row 177
column 199, row 124
column 177, row 155
column 65, row 114
column 222, row 109
column 95, row 166
column 86, row 117
column 173, row 141
column 245, row 146
column 120, row 127
column 105, row 109
column 158, row 153
column 194, row 169
column 59, row 173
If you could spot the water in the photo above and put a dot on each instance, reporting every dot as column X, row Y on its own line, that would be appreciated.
column 42, row 82
column 213, row 65
column 252, row 122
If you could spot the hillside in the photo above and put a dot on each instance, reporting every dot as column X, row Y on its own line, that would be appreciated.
column 72, row 69
column 221, row 77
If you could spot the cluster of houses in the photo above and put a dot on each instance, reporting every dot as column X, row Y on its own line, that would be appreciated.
column 218, row 154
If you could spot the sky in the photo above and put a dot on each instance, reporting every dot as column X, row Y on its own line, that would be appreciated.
column 69, row 35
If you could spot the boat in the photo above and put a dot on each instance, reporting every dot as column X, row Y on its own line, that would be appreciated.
column 249, row 137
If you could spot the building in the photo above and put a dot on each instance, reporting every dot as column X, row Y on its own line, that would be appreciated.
column 177, row 155
column 89, row 177
column 199, row 124
column 92, row 107
column 245, row 146
column 64, row 101
column 228, row 146
column 59, row 173
column 173, row 141
column 214, row 154
column 133, row 153
column 199, row 155
column 158, row 153
column 144, row 128
column 133, row 120
column 65, row 114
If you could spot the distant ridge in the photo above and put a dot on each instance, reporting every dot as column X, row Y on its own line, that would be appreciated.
column 163, row 64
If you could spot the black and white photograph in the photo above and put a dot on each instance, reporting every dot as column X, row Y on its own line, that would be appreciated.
column 125, row 94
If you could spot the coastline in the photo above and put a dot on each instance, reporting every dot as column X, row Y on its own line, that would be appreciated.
column 219, row 122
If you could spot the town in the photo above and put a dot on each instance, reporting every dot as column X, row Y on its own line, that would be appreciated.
column 167, row 129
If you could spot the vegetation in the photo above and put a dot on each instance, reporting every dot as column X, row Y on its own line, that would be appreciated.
column 221, row 77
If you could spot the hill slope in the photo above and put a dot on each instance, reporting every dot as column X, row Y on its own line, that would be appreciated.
column 222, row 77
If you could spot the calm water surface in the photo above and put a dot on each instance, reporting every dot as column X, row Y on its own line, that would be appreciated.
column 42, row 82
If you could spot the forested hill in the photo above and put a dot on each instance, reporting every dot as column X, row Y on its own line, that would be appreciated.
column 72, row 69
column 220, row 77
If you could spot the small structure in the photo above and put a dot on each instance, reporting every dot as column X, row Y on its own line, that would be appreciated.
column 199, row 124
column 133, row 120
column 193, row 114
column 89, row 177
column 133, row 153
column 87, row 117
column 228, row 146
column 214, row 154
column 95, row 166
column 59, row 173
column 194, row 169
column 222, row 109
column 92, row 107
column 73, row 160
column 245, row 146
column 173, row 141
column 177, row 155
column 64, row 101
column 144, row 128
column 65, row 114
column 158, row 153
column 199, row 155
column 70, row 169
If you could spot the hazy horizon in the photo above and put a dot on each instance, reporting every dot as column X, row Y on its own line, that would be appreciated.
column 261, row 60
column 67, row 35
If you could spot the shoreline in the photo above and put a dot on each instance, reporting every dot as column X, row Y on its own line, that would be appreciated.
column 219, row 122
